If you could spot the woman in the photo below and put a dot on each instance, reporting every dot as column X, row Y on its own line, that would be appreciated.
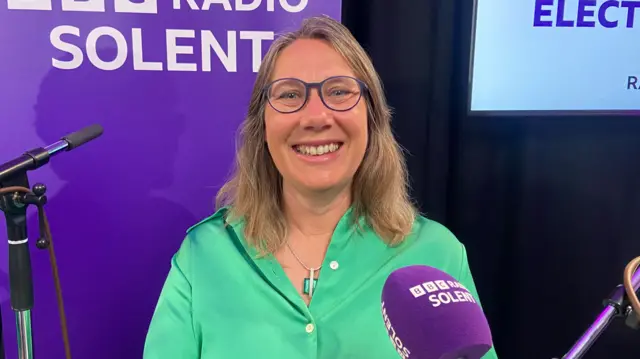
column 313, row 221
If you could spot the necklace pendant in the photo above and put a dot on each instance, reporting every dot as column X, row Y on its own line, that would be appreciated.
column 309, row 286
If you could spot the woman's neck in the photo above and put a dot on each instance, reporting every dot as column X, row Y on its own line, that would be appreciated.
column 315, row 214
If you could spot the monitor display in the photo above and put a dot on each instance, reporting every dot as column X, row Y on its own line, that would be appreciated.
column 555, row 56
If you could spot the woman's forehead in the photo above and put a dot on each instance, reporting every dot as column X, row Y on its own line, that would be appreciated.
column 311, row 61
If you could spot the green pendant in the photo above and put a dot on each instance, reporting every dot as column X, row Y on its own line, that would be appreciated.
column 307, row 288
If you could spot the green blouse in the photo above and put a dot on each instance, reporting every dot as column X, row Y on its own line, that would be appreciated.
column 221, row 301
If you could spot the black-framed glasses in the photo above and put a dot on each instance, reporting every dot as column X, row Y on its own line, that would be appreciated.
column 338, row 93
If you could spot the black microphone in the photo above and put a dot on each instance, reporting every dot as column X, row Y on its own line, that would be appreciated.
column 40, row 156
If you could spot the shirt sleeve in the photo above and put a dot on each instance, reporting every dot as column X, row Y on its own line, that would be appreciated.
column 467, row 280
column 171, row 334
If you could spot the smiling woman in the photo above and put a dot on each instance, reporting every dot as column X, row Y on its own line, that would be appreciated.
column 321, row 98
column 337, row 93
column 315, row 218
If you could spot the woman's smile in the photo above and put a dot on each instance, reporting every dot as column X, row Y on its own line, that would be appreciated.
column 318, row 151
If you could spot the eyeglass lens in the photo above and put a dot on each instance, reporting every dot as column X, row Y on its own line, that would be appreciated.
column 337, row 93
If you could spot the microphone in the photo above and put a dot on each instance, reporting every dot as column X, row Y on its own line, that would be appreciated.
column 15, row 196
column 38, row 157
column 430, row 315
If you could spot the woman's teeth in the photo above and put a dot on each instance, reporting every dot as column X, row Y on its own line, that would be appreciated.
column 317, row 150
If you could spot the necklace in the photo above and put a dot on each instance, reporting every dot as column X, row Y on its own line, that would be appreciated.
column 309, row 282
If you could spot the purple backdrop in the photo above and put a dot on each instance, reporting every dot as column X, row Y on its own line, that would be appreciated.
column 119, row 206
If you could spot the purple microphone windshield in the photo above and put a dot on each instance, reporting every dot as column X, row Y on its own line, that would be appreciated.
column 430, row 315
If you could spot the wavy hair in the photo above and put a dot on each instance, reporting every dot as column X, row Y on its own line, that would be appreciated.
column 380, row 185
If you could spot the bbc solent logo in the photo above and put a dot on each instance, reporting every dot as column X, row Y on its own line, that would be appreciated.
column 80, row 42
column 434, row 286
column 151, row 6
column 442, row 292
column 122, row 6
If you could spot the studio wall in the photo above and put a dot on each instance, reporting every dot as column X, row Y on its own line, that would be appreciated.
column 170, row 82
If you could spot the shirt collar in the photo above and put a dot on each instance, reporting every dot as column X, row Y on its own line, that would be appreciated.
column 343, row 231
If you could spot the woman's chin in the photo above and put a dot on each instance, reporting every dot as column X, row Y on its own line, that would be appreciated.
column 320, row 187
column 325, row 185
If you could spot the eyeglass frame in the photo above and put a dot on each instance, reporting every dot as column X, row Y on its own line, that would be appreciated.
column 308, row 86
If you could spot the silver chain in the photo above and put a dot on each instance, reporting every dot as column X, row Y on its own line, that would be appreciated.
column 299, row 261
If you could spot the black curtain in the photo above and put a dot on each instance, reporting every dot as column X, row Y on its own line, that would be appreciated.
column 548, row 207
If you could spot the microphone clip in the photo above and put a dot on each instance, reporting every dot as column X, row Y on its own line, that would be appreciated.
column 622, row 306
column 38, row 198
column 619, row 301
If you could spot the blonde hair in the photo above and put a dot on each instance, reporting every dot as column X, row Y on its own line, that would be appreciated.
column 380, row 185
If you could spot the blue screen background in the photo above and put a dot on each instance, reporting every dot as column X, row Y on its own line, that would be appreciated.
column 519, row 67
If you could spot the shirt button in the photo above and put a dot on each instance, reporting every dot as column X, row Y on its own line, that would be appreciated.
column 309, row 328
column 334, row 265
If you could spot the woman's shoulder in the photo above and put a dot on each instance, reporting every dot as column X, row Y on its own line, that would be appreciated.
column 214, row 240
column 432, row 243
column 429, row 230
column 211, row 230
column 433, row 239
column 213, row 221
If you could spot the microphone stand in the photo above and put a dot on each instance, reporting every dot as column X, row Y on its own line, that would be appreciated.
column 20, row 277
column 15, row 197
column 14, row 205
column 616, row 306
